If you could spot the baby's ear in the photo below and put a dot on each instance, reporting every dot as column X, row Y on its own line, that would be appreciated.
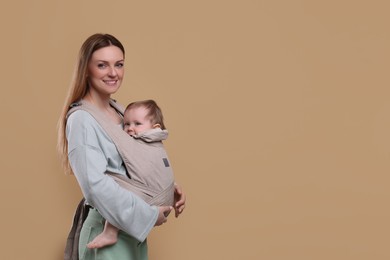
column 156, row 126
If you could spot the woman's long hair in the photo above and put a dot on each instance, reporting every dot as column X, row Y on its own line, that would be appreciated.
column 80, row 87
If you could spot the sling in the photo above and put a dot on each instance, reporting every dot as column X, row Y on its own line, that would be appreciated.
column 149, row 174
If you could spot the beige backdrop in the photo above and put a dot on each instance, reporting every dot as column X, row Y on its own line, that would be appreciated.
column 278, row 111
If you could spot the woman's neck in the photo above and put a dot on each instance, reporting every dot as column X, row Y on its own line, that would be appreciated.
column 103, row 104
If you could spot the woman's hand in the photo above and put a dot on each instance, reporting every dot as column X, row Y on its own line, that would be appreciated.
column 180, row 200
column 163, row 212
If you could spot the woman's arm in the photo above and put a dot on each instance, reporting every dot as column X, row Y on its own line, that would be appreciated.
column 89, row 164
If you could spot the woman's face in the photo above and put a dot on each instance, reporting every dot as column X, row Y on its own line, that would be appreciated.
column 105, row 70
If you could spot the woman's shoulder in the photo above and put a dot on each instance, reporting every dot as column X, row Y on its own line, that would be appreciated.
column 81, row 125
column 81, row 118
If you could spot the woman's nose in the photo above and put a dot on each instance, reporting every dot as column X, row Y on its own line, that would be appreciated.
column 112, row 72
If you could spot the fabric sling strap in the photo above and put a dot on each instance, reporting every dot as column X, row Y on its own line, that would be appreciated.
column 149, row 178
column 71, row 251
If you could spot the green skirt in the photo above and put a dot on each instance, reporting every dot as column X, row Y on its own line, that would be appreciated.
column 126, row 248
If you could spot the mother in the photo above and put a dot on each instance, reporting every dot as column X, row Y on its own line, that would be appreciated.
column 89, row 153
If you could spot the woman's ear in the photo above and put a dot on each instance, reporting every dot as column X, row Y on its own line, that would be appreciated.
column 156, row 126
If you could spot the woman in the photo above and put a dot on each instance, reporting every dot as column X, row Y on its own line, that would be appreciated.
column 89, row 153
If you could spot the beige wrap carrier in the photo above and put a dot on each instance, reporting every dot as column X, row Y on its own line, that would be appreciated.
column 146, row 161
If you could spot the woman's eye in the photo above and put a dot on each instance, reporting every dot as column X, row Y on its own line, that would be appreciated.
column 119, row 65
column 101, row 66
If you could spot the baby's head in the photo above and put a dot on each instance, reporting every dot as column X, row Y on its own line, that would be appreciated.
column 141, row 116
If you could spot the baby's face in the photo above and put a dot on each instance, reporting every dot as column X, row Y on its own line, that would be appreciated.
column 135, row 121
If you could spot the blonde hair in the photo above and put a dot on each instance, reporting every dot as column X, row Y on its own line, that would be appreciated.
column 80, row 87
column 154, row 112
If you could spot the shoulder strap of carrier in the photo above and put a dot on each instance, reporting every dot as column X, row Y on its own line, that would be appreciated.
column 117, row 135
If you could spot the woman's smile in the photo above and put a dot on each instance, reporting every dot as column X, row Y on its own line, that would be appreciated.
column 110, row 82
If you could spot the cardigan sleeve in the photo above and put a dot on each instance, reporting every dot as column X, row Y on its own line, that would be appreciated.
column 89, row 163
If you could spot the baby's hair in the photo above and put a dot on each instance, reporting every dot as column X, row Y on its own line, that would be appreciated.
column 154, row 112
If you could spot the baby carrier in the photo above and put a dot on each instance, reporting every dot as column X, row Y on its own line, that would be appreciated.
column 149, row 174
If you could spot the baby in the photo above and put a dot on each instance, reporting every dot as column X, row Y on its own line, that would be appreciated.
column 143, row 121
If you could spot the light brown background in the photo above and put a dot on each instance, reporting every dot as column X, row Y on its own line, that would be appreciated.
column 278, row 111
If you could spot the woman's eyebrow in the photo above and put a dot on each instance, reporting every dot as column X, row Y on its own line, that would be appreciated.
column 108, row 61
